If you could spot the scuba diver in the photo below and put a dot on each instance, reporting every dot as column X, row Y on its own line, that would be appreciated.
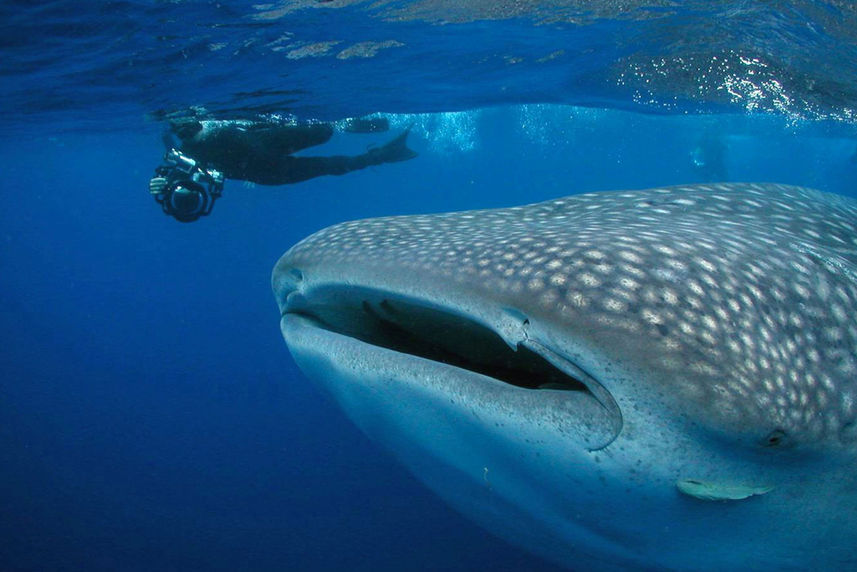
column 191, row 177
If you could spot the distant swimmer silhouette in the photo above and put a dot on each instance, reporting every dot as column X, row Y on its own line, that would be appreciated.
column 191, row 178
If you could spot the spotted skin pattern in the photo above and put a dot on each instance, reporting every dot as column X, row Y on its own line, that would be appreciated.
column 737, row 299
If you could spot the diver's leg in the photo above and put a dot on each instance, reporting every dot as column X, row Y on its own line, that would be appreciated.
column 365, row 124
column 296, row 169
column 288, row 139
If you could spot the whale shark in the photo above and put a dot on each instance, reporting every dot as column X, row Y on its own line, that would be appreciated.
column 660, row 379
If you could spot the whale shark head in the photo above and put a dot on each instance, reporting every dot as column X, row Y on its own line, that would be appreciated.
column 658, row 379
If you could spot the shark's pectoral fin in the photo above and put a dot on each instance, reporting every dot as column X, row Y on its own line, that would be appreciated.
column 713, row 491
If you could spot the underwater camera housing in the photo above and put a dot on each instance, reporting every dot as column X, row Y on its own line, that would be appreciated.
column 184, row 189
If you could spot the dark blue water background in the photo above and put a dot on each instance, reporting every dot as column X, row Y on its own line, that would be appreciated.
column 150, row 415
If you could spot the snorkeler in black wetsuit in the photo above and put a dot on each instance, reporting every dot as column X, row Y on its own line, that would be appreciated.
column 261, row 152
column 191, row 178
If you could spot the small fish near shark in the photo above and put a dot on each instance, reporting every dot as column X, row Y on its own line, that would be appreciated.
column 662, row 379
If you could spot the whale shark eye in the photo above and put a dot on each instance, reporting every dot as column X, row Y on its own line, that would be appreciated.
column 774, row 438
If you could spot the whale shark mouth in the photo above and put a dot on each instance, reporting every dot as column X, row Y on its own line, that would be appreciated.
column 421, row 329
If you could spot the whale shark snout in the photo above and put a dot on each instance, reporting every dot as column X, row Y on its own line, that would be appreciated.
column 651, row 379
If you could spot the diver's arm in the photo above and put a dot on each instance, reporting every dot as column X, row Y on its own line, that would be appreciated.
column 169, row 140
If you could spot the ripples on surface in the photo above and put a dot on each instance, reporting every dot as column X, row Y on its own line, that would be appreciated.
column 328, row 59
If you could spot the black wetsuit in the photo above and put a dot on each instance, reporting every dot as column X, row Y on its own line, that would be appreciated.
column 262, row 152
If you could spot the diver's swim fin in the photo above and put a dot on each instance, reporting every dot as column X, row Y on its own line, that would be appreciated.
column 396, row 150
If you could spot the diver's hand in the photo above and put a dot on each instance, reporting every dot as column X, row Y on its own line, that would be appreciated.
column 157, row 185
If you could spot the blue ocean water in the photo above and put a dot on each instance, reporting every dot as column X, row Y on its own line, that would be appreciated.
column 151, row 417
